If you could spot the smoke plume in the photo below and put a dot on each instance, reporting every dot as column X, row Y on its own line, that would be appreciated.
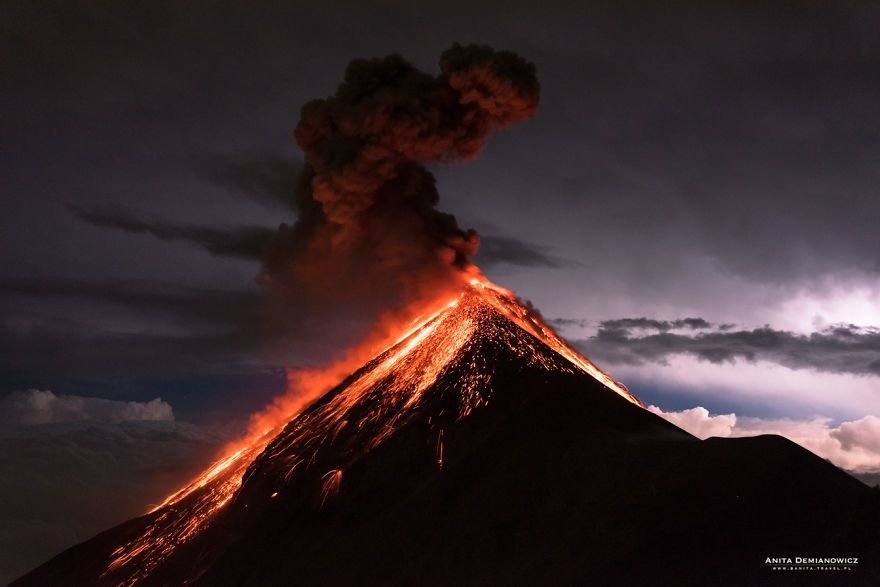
column 245, row 242
column 368, row 221
column 368, row 227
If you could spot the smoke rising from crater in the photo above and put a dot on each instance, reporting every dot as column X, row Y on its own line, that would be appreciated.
column 368, row 231
column 368, row 220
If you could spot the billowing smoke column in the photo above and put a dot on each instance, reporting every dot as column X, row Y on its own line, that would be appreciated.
column 369, row 234
column 368, row 223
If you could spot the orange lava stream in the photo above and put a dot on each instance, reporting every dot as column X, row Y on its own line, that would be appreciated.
column 184, row 514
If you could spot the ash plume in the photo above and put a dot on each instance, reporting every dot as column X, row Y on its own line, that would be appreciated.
column 245, row 242
column 368, row 230
column 368, row 220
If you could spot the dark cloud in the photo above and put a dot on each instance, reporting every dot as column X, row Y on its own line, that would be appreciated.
column 80, row 329
column 228, row 307
column 257, row 177
column 567, row 322
column 753, row 147
column 245, row 242
column 39, row 347
column 277, row 180
column 651, row 324
column 837, row 349
column 503, row 250
column 268, row 178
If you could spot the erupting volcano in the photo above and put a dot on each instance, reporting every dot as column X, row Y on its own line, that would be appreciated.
column 472, row 445
column 445, row 366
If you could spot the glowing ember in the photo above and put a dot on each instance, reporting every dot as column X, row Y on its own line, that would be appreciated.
column 366, row 409
column 331, row 485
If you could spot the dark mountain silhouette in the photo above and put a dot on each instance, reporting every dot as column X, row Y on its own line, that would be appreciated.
column 481, row 449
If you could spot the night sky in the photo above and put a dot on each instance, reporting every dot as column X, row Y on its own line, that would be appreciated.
column 694, row 205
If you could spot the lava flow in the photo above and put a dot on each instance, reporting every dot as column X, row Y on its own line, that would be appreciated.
column 363, row 411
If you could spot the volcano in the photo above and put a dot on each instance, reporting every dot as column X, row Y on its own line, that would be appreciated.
column 480, row 448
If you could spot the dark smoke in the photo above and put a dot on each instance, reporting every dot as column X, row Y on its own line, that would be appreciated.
column 246, row 242
column 504, row 250
column 268, row 178
column 368, row 219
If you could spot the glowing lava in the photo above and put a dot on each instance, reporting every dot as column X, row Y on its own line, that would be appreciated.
column 406, row 380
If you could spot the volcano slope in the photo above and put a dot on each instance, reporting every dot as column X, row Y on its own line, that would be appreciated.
column 481, row 449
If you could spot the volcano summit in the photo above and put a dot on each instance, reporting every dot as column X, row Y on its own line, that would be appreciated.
column 480, row 448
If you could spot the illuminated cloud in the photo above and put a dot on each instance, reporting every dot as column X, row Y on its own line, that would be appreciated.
column 758, row 388
column 698, row 422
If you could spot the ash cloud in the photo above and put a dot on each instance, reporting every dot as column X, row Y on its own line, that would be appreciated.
column 367, row 225
column 692, row 130
column 267, row 178
column 273, row 180
column 371, row 220
column 246, row 242
column 836, row 349
column 503, row 250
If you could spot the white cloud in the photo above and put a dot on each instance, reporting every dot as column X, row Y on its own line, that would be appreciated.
column 34, row 406
column 853, row 445
column 861, row 434
column 698, row 422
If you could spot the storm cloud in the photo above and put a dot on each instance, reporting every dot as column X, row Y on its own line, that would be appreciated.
column 836, row 349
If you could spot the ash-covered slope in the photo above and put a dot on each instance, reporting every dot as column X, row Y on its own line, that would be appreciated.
column 482, row 449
